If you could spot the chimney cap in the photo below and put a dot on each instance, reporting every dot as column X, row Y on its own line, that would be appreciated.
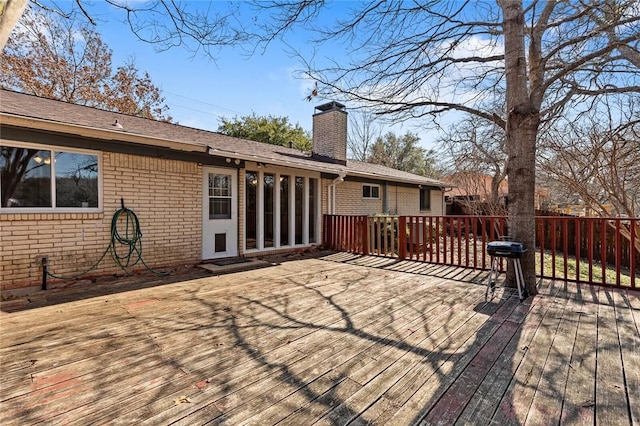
column 333, row 105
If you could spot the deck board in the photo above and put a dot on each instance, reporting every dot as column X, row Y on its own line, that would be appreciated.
column 331, row 339
column 611, row 398
column 579, row 396
column 630, row 348
column 517, row 399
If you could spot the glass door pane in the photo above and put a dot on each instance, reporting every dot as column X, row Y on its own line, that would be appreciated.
column 251, row 192
column 269, row 182
column 312, row 209
column 299, row 204
column 284, row 211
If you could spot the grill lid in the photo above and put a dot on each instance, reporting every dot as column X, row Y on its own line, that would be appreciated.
column 505, row 248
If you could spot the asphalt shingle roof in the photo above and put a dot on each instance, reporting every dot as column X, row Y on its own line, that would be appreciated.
column 29, row 106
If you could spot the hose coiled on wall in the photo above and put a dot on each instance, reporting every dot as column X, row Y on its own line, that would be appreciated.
column 128, row 237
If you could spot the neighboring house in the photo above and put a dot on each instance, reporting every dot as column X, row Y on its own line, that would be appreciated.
column 472, row 193
column 198, row 195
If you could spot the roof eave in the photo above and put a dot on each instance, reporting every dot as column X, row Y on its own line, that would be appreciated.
column 96, row 133
column 426, row 182
column 306, row 165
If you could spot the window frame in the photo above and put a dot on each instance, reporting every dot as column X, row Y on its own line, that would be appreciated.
column 228, row 198
column 53, row 208
column 424, row 208
column 371, row 186
column 291, row 174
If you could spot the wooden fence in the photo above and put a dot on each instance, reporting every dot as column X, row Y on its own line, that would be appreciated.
column 602, row 251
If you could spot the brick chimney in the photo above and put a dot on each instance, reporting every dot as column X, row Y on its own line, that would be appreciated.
column 330, row 133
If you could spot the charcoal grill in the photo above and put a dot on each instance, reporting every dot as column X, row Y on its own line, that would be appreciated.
column 510, row 250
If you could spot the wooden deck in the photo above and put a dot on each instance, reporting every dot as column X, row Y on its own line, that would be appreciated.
column 332, row 340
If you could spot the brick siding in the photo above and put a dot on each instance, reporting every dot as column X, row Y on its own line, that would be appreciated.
column 401, row 200
column 165, row 195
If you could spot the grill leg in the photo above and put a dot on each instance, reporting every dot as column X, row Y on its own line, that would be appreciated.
column 519, row 278
column 493, row 277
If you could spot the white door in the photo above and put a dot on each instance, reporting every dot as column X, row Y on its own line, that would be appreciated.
column 219, row 213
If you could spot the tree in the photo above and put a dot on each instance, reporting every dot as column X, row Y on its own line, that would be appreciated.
column 269, row 129
column 422, row 60
column 363, row 132
column 596, row 160
column 10, row 12
column 57, row 59
column 476, row 148
column 202, row 27
column 403, row 153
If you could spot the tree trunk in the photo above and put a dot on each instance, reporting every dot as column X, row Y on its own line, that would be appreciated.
column 522, row 124
column 10, row 13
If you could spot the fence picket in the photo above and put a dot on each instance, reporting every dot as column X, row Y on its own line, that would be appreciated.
column 562, row 240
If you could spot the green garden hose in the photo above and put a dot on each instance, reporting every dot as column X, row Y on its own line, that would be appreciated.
column 128, row 237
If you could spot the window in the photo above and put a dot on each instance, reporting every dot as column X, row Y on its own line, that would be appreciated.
column 425, row 199
column 268, row 187
column 299, row 207
column 313, row 184
column 219, row 196
column 50, row 179
column 282, row 210
column 251, row 209
column 371, row 191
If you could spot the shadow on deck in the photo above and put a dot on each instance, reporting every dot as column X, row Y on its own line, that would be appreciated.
column 337, row 339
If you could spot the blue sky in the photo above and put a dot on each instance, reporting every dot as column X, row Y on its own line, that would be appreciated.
column 199, row 90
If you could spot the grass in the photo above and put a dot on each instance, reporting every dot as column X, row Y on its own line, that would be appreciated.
column 610, row 272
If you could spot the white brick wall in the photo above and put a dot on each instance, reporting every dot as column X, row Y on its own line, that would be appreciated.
column 401, row 200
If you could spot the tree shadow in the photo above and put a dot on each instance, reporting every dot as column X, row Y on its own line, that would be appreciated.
column 330, row 344
column 387, row 351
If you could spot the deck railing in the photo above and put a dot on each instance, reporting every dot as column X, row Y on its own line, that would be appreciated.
column 602, row 251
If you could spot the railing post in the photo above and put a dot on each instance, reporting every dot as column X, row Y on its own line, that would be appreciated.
column 402, row 237
column 632, row 250
column 364, row 226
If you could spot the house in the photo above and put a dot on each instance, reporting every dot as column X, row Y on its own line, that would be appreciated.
column 65, row 169
column 473, row 193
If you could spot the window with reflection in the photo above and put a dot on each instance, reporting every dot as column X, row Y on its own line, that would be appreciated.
column 269, row 182
column 299, row 205
column 277, row 209
column 284, row 210
column 313, row 183
column 37, row 178
column 219, row 196
column 251, row 204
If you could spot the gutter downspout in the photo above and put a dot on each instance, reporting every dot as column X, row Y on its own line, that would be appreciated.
column 332, row 192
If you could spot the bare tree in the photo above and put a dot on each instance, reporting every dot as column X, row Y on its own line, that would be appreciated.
column 596, row 162
column 477, row 163
column 363, row 132
column 425, row 59
column 598, row 157
column 61, row 59
column 199, row 27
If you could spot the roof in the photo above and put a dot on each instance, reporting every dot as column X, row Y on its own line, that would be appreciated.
column 468, row 183
column 38, row 113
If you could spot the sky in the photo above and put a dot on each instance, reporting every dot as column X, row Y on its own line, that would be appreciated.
column 199, row 90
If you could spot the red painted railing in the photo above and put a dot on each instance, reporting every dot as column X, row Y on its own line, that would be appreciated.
column 602, row 251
